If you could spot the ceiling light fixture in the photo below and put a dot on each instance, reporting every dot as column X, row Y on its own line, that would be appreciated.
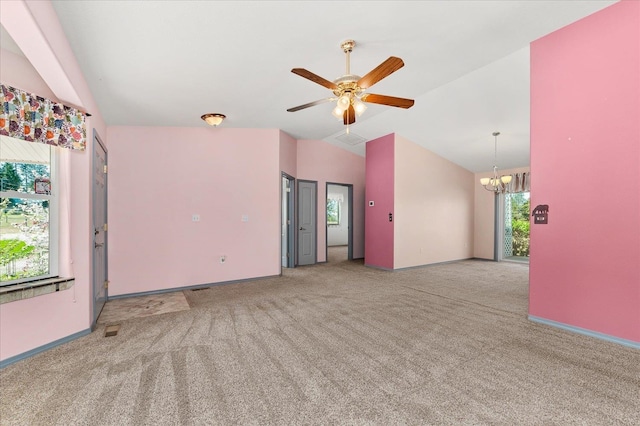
column 349, row 90
column 496, row 184
column 214, row 119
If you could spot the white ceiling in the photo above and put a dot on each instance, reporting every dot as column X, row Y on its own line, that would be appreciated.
column 165, row 63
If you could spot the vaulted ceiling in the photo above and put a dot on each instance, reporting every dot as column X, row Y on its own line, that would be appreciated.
column 165, row 63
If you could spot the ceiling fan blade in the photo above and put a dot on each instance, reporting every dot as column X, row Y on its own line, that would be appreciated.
column 349, row 115
column 310, row 104
column 387, row 100
column 383, row 70
column 315, row 78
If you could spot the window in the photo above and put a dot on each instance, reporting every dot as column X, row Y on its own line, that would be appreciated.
column 28, row 211
column 333, row 212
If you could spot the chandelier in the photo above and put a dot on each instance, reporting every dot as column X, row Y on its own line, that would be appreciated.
column 496, row 184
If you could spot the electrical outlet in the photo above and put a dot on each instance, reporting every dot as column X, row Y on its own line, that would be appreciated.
column 195, row 217
column 223, row 258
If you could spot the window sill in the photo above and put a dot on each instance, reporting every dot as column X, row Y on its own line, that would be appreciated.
column 12, row 293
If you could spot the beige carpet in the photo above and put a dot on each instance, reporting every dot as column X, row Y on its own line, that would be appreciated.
column 336, row 254
column 335, row 344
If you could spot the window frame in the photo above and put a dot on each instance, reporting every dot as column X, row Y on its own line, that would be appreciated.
column 54, row 214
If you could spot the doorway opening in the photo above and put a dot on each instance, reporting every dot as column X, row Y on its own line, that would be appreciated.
column 287, row 235
column 514, row 227
column 339, row 219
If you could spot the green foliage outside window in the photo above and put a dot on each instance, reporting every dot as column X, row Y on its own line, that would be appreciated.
column 10, row 252
column 520, row 224
column 333, row 212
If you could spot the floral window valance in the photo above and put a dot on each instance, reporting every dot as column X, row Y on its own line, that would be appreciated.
column 33, row 118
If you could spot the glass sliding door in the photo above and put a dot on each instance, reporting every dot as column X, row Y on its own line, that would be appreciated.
column 515, row 227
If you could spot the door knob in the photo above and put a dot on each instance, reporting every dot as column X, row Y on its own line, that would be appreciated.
column 302, row 229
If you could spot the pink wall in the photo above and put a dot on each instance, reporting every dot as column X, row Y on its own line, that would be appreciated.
column 379, row 232
column 585, row 163
column 31, row 323
column 484, row 215
column 323, row 162
column 433, row 205
column 160, row 177
column 288, row 154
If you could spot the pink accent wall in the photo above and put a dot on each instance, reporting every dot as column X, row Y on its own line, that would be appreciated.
column 433, row 205
column 379, row 232
column 288, row 154
column 585, row 164
column 323, row 162
column 160, row 177
column 31, row 323
column 484, row 215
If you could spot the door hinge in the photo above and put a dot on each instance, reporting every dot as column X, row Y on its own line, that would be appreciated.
column 105, row 227
column 104, row 169
column 106, row 284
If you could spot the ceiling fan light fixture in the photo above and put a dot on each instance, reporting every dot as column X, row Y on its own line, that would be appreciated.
column 344, row 101
column 359, row 106
column 349, row 88
column 213, row 119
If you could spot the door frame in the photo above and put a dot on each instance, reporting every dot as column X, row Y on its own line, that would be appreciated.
column 297, row 212
column 349, row 219
column 498, row 228
column 291, row 215
column 95, row 312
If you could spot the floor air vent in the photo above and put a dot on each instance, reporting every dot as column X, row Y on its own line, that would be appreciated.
column 111, row 330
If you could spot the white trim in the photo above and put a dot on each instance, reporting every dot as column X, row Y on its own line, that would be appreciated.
column 27, row 195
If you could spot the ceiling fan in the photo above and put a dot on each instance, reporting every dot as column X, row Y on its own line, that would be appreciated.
column 349, row 90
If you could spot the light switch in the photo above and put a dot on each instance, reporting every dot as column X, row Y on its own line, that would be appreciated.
column 245, row 218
